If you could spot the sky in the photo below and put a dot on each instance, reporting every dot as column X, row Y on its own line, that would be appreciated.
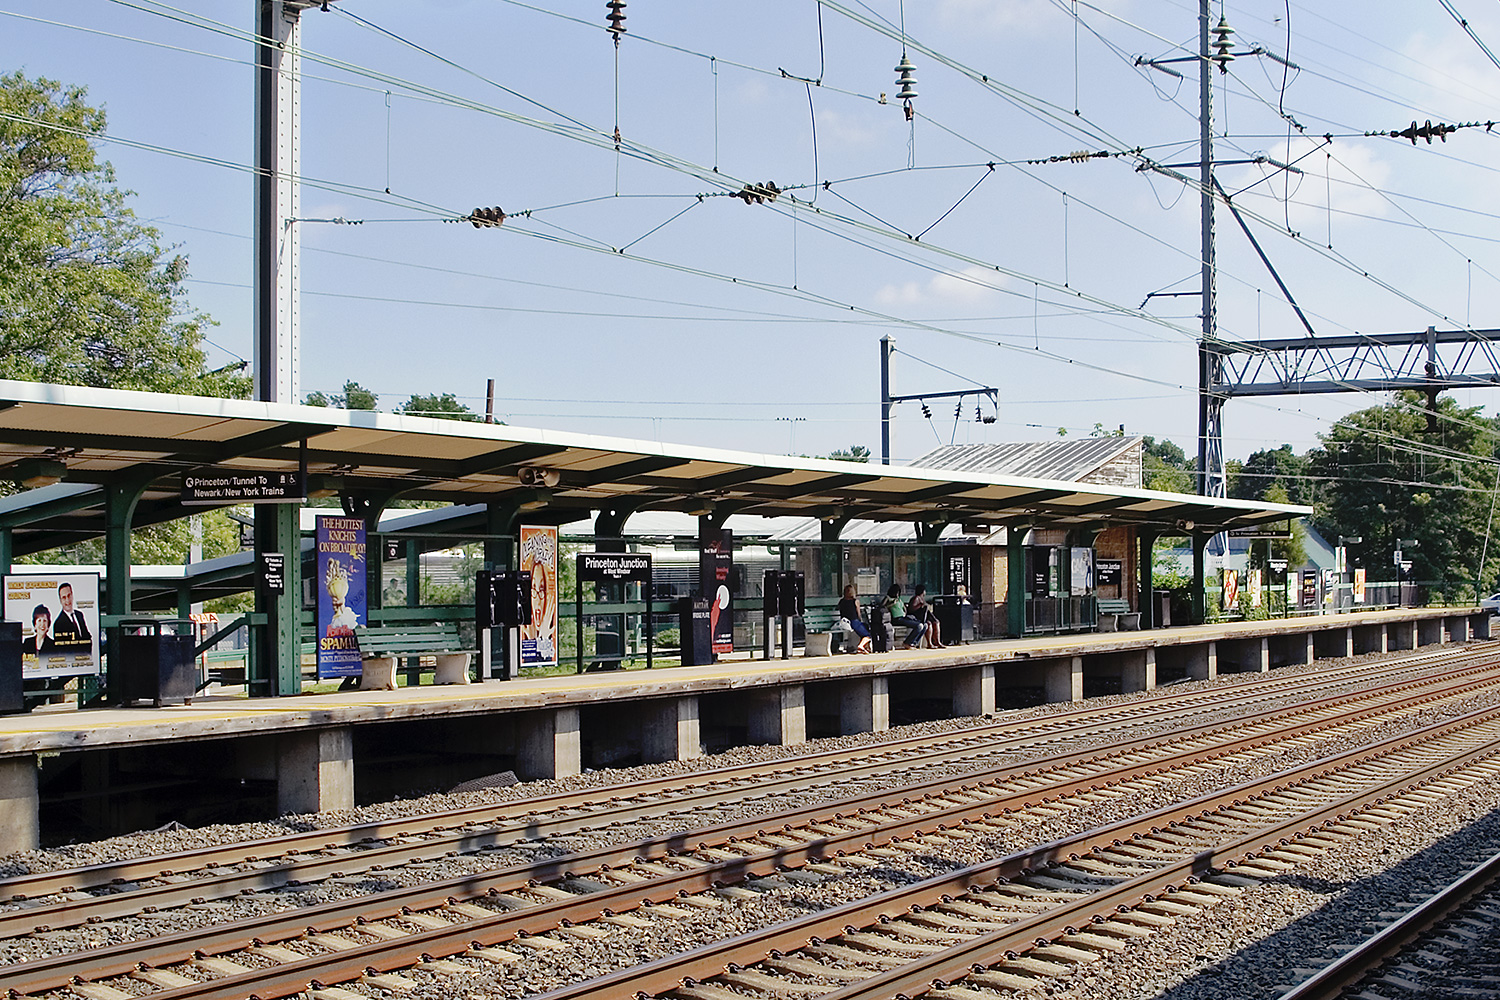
column 628, row 293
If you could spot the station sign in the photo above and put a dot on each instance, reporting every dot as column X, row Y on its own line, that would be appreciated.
column 273, row 573
column 231, row 486
column 614, row 567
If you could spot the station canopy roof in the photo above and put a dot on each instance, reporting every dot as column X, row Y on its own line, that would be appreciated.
column 105, row 436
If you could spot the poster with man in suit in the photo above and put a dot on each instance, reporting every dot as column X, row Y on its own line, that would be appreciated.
column 59, row 616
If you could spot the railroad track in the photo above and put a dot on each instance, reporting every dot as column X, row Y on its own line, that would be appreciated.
column 510, row 906
column 315, row 854
column 1449, row 944
column 167, row 888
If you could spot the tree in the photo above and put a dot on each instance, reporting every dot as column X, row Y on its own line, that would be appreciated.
column 1385, row 477
column 445, row 407
column 354, row 397
column 854, row 453
column 88, row 294
column 1165, row 467
column 1264, row 470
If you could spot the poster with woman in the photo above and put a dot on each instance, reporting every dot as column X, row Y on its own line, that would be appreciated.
column 59, row 616
column 539, row 557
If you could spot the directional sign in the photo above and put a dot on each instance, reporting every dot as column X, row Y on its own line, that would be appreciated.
column 230, row 486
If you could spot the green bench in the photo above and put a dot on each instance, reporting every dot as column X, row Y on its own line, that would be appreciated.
column 382, row 647
column 1115, row 615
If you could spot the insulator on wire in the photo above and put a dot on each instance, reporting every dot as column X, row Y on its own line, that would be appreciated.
column 1222, row 45
column 484, row 217
column 978, row 414
column 616, row 18
column 926, row 410
column 958, row 409
column 906, row 79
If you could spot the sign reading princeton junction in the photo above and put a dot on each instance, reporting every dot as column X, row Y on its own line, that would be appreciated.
column 614, row 567
column 227, row 486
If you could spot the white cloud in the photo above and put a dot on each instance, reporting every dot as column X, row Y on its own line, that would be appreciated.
column 966, row 288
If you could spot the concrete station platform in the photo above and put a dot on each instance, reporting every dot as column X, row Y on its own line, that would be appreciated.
column 316, row 749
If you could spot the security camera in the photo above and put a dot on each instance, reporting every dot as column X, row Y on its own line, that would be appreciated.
column 531, row 475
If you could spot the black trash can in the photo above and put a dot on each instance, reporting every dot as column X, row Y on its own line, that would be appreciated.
column 696, row 640
column 12, row 692
column 955, row 617
column 155, row 660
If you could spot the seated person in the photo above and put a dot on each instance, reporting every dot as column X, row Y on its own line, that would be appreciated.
column 896, row 607
column 852, row 621
column 922, row 612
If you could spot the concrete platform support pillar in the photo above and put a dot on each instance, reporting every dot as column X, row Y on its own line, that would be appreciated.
column 1479, row 625
column 1264, row 666
column 1429, row 631
column 779, row 716
column 974, row 691
column 1138, row 670
column 864, row 705
column 20, row 823
column 1458, row 629
column 1064, row 679
column 670, row 729
column 1401, row 635
column 315, row 770
column 1202, row 661
column 1348, row 642
column 547, row 744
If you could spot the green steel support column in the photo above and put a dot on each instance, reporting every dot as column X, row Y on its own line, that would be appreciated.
column 120, row 500
column 1200, row 585
column 7, row 548
column 413, row 574
column 1147, row 541
column 277, row 665
column 185, row 601
column 1015, row 571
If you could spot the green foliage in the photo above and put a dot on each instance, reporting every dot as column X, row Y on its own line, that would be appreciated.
column 88, row 294
column 354, row 397
column 1273, row 469
column 854, row 453
column 164, row 544
column 444, row 406
column 1384, row 476
column 1165, row 467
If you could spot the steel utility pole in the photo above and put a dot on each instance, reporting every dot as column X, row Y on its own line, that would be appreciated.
column 278, row 89
column 1211, row 480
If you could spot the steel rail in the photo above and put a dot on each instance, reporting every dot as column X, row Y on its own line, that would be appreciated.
column 953, row 964
column 1333, row 980
column 218, row 885
column 347, row 963
column 1094, row 720
column 56, row 972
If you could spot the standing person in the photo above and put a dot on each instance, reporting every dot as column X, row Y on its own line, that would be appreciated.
column 70, row 629
column 892, row 602
column 922, row 612
column 853, row 621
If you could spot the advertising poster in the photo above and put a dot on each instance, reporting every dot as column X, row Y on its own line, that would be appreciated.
column 341, row 595
column 1330, row 586
column 539, row 558
column 715, row 574
column 1081, row 573
column 1309, row 588
column 1359, row 585
column 1231, row 589
column 59, row 616
column 1253, row 583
